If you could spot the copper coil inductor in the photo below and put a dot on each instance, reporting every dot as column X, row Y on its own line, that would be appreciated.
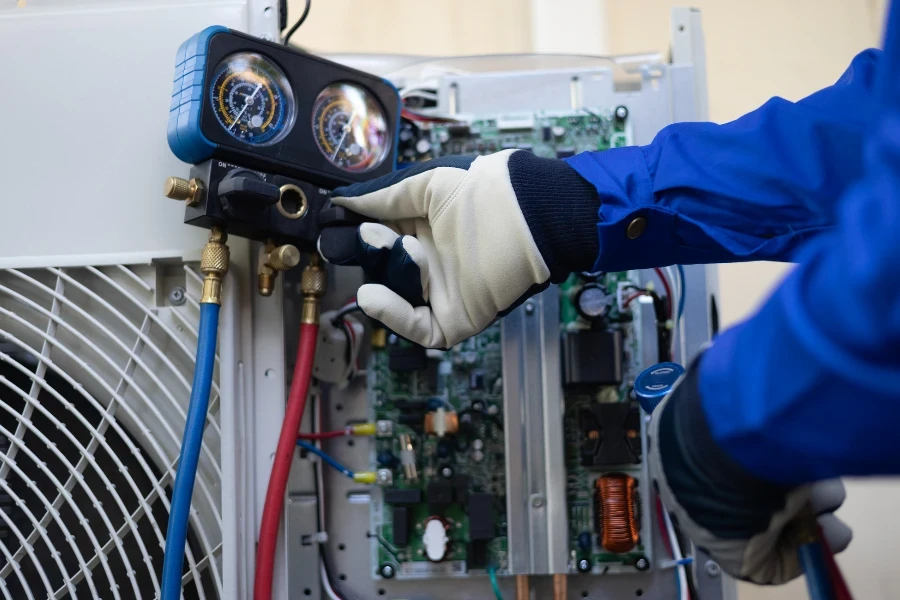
column 615, row 503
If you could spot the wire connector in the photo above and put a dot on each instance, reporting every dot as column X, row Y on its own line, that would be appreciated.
column 214, row 264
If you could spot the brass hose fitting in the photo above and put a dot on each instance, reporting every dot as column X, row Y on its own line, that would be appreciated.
column 313, row 285
column 272, row 260
column 214, row 265
column 177, row 188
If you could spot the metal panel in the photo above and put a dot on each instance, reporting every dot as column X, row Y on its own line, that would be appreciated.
column 533, row 426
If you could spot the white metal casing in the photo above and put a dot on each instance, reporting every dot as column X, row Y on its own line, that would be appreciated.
column 88, row 242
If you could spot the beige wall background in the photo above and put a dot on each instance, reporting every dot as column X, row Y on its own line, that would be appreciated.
column 755, row 50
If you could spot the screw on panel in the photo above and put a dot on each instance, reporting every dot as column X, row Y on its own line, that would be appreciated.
column 529, row 308
column 384, row 476
column 537, row 501
column 642, row 564
column 386, row 571
column 584, row 565
column 712, row 568
column 177, row 296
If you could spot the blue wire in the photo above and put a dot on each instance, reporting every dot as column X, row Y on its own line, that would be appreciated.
column 682, row 294
column 818, row 580
column 311, row 448
column 492, row 573
column 195, row 423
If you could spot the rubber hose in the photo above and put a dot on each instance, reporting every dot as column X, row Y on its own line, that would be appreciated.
column 281, row 467
column 186, row 473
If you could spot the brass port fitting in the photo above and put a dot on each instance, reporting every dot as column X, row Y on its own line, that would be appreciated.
column 177, row 188
column 313, row 285
column 214, row 265
column 272, row 260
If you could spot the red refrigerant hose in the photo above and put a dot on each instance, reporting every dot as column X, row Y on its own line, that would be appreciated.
column 313, row 287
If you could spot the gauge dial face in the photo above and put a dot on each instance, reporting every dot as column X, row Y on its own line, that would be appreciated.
column 252, row 99
column 351, row 128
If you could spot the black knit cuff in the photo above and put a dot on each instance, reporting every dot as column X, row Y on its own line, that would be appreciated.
column 561, row 210
column 716, row 491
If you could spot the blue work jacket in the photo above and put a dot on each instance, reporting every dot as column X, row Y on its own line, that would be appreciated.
column 808, row 387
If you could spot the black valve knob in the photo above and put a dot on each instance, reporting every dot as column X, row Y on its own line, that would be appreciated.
column 244, row 190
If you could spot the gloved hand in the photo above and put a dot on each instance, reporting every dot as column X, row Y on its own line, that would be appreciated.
column 465, row 239
column 752, row 528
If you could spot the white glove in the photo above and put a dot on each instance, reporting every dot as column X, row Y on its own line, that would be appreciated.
column 454, row 249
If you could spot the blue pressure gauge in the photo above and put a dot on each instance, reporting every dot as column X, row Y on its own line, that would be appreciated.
column 652, row 385
column 265, row 106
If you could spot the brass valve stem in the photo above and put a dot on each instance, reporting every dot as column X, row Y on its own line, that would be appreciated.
column 214, row 265
column 313, row 285
column 191, row 191
column 272, row 260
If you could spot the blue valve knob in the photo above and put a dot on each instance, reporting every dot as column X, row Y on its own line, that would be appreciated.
column 652, row 385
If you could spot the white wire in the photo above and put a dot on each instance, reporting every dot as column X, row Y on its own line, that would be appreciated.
column 320, row 487
column 676, row 554
column 675, row 284
column 419, row 93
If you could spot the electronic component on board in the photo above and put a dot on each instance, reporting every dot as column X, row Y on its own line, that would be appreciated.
column 407, row 358
column 616, row 512
column 593, row 302
column 439, row 494
column 610, row 434
column 480, row 510
column 400, row 525
column 434, row 538
column 593, row 358
column 408, row 458
column 441, row 422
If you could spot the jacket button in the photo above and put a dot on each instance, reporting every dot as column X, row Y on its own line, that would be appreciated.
column 636, row 228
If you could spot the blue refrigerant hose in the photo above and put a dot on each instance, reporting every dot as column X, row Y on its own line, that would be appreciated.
column 818, row 581
column 195, row 423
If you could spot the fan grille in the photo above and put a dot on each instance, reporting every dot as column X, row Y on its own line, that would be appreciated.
column 95, row 375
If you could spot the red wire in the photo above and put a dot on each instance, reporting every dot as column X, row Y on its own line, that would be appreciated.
column 838, row 583
column 281, row 467
column 661, row 521
column 323, row 435
column 629, row 299
column 665, row 282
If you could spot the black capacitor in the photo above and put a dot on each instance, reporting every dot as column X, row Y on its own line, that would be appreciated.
column 476, row 380
column 401, row 526
column 444, row 449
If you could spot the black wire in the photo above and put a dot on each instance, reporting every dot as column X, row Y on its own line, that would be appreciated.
column 339, row 315
column 296, row 26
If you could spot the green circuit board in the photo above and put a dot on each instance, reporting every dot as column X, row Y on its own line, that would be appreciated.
column 580, row 482
column 545, row 134
column 464, row 381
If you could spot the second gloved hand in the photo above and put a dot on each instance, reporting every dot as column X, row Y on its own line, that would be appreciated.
column 465, row 239
column 751, row 527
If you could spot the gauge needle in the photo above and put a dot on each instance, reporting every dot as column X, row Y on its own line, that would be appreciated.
column 247, row 103
column 346, row 129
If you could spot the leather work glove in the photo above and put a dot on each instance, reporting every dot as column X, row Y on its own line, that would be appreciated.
column 463, row 240
column 751, row 527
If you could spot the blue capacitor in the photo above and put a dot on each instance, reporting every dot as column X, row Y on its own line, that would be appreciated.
column 584, row 541
column 652, row 385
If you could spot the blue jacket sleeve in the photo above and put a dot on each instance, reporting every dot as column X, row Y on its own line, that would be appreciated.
column 752, row 189
column 809, row 388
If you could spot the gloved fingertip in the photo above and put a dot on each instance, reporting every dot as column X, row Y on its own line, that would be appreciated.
column 827, row 496
column 837, row 534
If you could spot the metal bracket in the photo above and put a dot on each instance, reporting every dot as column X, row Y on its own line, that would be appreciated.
column 532, row 398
